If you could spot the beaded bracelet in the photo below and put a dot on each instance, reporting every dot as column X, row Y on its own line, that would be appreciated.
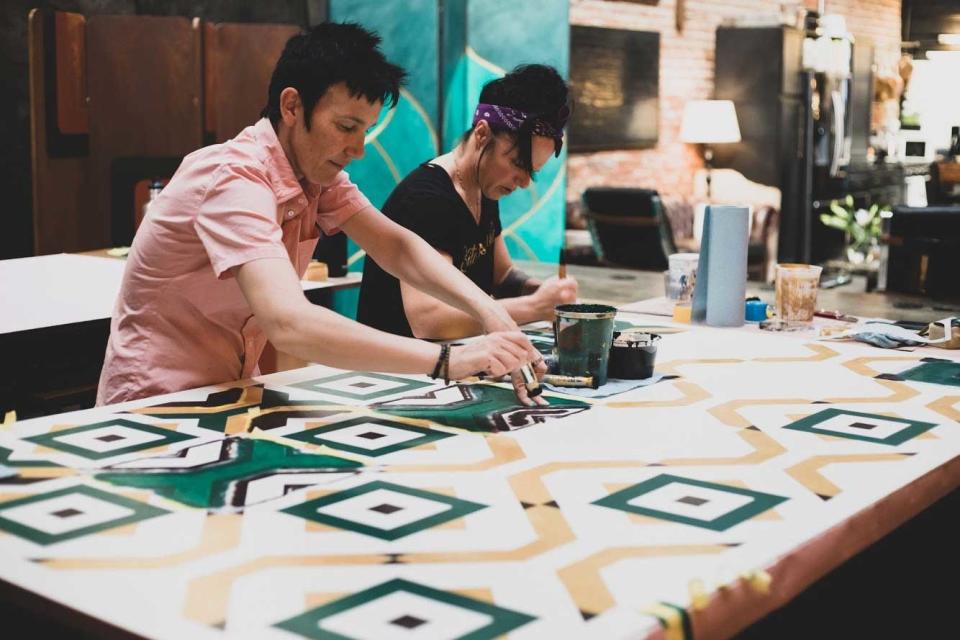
column 444, row 359
column 446, row 365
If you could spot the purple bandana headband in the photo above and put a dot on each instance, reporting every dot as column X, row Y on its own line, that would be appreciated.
column 511, row 119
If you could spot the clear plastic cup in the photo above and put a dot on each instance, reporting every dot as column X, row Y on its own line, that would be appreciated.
column 682, row 276
column 796, row 291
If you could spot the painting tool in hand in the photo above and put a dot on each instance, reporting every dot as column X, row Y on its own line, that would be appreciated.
column 530, row 381
column 585, row 382
column 562, row 271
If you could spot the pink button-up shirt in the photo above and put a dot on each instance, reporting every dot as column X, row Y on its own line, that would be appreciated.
column 181, row 320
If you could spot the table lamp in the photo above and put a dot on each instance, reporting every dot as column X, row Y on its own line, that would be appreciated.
column 709, row 122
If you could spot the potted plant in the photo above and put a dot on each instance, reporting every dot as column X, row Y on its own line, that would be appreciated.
column 862, row 228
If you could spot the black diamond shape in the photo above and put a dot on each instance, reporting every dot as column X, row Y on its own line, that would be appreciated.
column 362, row 385
column 696, row 502
column 110, row 438
column 862, row 425
column 67, row 513
column 408, row 622
column 386, row 509
column 372, row 435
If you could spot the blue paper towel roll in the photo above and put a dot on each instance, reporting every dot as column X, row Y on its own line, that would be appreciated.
column 721, row 285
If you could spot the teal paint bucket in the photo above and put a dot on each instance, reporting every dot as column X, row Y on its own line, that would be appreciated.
column 584, row 334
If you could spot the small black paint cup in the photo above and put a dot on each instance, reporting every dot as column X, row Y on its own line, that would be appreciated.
column 633, row 355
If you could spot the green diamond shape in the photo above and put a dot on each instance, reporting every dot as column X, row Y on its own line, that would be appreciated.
column 141, row 511
column 317, row 385
column 53, row 439
column 759, row 503
column 308, row 624
column 315, row 436
column 309, row 510
column 912, row 428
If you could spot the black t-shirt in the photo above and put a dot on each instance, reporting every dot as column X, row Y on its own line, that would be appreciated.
column 427, row 203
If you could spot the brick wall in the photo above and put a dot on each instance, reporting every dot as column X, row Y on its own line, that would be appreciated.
column 686, row 73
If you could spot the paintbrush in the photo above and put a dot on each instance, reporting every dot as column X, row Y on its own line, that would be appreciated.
column 562, row 271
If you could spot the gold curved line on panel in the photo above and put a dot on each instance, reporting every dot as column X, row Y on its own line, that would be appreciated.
column 483, row 62
column 373, row 135
column 525, row 248
column 377, row 130
column 388, row 161
column 526, row 215
column 423, row 115
column 359, row 254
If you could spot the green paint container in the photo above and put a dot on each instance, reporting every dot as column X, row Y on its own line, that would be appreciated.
column 584, row 333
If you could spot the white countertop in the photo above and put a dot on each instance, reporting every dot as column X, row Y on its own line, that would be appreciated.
column 64, row 288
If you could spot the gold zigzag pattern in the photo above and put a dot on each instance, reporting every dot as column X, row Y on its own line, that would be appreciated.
column 808, row 473
column 692, row 394
column 945, row 406
column 586, row 586
column 764, row 448
column 221, row 532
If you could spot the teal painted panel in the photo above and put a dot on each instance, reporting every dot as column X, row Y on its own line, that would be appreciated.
column 454, row 72
column 502, row 34
column 506, row 33
column 406, row 135
column 409, row 33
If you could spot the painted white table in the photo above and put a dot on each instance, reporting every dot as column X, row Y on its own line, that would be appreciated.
column 316, row 502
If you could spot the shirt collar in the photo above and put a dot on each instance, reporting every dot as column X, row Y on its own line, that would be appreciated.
column 282, row 178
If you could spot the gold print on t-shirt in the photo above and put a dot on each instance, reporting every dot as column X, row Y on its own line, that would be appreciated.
column 475, row 252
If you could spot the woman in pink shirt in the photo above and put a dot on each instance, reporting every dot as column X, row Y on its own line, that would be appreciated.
column 214, row 270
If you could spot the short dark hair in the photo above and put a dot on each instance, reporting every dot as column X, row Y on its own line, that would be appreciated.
column 535, row 89
column 328, row 54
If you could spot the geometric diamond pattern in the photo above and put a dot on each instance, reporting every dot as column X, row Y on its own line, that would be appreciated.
column 55, row 516
column 934, row 371
column 384, row 510
column 856, row 425
column 369, row 436
column 403, row 609
column 361, row 386
column 108, row 439
column 708, row 505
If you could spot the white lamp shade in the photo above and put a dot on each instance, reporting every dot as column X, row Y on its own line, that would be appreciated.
column 709, row 122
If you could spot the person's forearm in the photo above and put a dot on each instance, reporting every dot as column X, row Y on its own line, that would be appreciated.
column 419, row 265
column 316, row 334
column 440, row 321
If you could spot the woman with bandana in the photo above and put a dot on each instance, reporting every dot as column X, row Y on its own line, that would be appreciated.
column 452, row 203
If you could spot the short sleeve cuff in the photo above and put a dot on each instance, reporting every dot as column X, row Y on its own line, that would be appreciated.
column 223, row 266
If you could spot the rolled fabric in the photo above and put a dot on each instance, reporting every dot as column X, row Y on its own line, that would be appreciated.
column 721, row 288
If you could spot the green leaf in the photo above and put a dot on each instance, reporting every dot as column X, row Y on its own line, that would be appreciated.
column 839, row 211
column 832, row 221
